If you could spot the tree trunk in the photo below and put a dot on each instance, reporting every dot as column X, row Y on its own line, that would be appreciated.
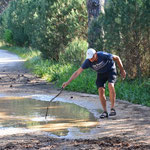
column 94, row 7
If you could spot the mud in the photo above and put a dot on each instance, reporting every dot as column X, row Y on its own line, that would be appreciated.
column 28, row 141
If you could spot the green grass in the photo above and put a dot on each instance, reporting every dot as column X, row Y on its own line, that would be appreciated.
column 136, row 91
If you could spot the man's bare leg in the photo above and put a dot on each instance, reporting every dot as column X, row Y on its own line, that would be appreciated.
column 112, row 94
column 102, row 97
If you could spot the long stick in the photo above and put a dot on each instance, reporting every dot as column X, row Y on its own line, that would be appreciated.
column 52, row 100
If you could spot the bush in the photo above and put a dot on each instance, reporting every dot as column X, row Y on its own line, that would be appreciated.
column 75, row 52
column 8, row 36
column 66, row 20
column 13, row 19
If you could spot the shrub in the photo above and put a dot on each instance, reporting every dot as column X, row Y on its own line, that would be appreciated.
column 65, row 20
column 75, row 52
column 8, row 36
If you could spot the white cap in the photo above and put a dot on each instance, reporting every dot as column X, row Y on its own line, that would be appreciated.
column 90, row 53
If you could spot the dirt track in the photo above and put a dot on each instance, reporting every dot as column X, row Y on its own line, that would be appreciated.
column 130, row 129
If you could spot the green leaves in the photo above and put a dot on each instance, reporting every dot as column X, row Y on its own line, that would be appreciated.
column 124, row 30
column 8, row 36
column 75, row 52
column 48, row 25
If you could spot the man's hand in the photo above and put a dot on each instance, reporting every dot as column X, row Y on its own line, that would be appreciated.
column 123, row 74
column 65, row 84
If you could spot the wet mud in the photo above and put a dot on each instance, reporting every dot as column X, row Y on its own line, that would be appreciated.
column 32, row 142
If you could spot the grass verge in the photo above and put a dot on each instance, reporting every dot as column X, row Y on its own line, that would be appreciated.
column 135, row 91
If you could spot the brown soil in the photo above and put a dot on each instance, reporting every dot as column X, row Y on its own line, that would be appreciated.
column 32, row 142
column 129, row 130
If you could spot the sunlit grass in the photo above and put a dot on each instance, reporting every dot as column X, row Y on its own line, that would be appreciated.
column 26, row 53
column 1, row 43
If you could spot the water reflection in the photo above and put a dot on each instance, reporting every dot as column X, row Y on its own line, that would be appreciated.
column 28, row 113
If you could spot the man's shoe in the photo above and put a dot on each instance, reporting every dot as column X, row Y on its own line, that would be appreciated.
column 104, row 115
column 112, row 112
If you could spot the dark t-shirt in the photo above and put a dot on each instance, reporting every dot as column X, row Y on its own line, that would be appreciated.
column 104, row 63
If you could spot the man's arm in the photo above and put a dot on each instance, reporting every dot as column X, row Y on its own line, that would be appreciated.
column 119, row 62
column 74, row 75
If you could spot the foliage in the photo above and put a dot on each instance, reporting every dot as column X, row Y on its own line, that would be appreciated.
column 74, row 52
column 124, row 30
column 67, row 21
column 135, row 91
column 8, row 37
column 46, row 25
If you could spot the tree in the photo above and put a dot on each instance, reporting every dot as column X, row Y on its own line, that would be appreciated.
column 94, row 7
column 126, row 26
column 47, row 25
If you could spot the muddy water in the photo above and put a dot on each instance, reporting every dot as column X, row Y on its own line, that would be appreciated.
column 26, row 113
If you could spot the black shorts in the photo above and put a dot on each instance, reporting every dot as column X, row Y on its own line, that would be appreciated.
column 102, row 78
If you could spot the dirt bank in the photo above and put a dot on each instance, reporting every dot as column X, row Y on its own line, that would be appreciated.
column 130, row 129
column 28, row 141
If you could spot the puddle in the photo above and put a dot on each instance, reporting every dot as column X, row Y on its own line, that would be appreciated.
column 25, row 113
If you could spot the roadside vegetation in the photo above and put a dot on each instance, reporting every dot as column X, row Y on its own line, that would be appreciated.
column 132, row 90
column 53, row 37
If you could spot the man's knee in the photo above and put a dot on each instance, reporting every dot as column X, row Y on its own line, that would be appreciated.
column 111, row 88
column 101, row 90
column 110, row 85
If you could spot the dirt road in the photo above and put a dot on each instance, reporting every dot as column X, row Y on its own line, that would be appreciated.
column 130, row 129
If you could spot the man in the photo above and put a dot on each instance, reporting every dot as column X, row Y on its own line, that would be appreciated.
column 104, row 64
